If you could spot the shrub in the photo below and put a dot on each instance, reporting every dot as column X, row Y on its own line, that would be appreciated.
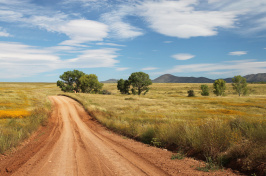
column 219, row 87
column 147, row 135
column 179, row 156
column 106, row 92
column 204, row 90
column 191, row 93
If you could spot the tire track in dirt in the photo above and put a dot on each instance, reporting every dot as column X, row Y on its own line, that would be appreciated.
column 78, row 145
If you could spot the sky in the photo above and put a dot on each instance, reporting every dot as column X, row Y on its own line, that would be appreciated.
column 41, row 39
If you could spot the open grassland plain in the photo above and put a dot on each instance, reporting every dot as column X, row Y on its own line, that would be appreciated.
column 23, row 108
column 228, row 130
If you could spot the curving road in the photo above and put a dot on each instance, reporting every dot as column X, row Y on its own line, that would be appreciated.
column 78, row 145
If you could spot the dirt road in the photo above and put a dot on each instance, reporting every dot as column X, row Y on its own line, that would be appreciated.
column 77, row 145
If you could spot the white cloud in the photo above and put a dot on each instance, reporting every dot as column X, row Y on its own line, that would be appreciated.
column 242, row 67
column 3, row 33
column 96, row 4
column 183, row 56
column 180, row 19
column 149, row 68
column 188, row 18
column 168, row 41
column 119, row 28
column 94, row 59
column 251, row 13
column 244, row 6
column 122, row 68
column 28, row 60
column 109, row 44
column 64, row 49
column 238, row 53
column 79, row 30
column 82, row 31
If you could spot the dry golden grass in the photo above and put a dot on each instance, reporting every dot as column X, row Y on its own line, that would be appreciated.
column 224, row 128
column 23, row 107
column 214, row 126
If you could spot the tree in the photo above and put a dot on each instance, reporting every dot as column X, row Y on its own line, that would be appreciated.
column 90, row 84
column 140, row 82
column 239, row 84
column 123, row 86
column 204, row 90
column 219, row 87
column 70, row 81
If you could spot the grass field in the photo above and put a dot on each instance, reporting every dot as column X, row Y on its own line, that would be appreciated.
column 23, row 108
column 228, row 129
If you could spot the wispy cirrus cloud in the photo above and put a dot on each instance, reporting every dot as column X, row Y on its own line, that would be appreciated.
column 122, row 68
column 168, row 42
column 188, row 18
column 149, row 68
column 82, row 31
column 119, row 28
column 26, row 61
column 109, row 44
column 183, row 56
column 229, row 68
column 93, row 58
column 29, row 60
column 181, row 19
column 251, row 14
column 3, row 33
column 238, row 53
column 78, row 30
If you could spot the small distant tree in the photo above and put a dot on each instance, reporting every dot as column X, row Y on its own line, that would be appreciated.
column 204, row 90
column 219, row 87
column 191, row 93
column 70, row 81
column 239, row 84
column 90, row 84
column 140, row 82
column 123, row 86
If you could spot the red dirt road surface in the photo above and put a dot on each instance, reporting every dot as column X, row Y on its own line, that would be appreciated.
column 75, row 144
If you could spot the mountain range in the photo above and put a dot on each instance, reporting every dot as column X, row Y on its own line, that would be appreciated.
column 168, row 78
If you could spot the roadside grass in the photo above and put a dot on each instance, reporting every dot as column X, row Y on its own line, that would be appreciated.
column 23, row 108
column 208, row 166
column 179, row 156
column 228, row 129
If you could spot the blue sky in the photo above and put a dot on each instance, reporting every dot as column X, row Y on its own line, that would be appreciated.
column 40, row 39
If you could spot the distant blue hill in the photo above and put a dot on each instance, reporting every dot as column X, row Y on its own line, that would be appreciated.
column 168, row 78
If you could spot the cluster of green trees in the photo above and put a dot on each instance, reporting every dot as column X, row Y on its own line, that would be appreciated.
column 239, row 84
column 137, row 82
column 77, row 81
